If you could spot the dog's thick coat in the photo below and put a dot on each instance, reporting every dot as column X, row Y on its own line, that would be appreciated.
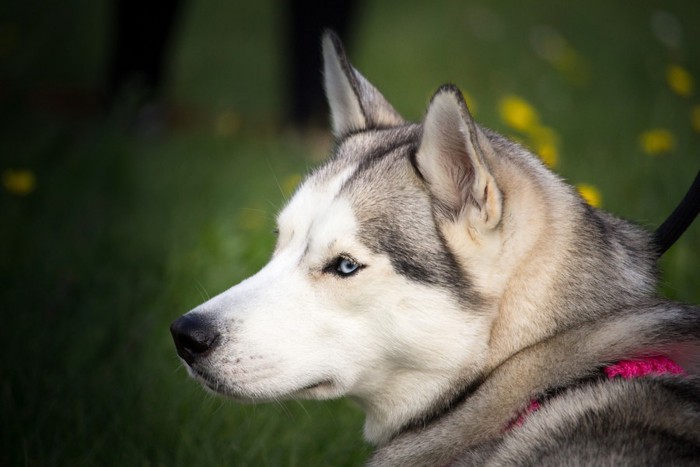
column 441, row 276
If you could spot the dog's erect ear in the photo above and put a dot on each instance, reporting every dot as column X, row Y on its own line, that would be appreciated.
column 355, row 104
column 451, row 159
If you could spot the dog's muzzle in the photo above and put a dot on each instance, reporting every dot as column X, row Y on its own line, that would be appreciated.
column 194, row 337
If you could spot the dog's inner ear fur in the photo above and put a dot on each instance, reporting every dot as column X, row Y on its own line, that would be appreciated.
column 355, row 104
column 451, row 159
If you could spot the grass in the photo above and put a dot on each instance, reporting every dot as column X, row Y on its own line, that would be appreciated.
column 124, row 233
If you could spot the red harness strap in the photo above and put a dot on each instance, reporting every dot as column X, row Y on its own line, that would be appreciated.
column 627, row 369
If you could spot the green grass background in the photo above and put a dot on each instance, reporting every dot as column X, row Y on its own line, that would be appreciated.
column 124, row 232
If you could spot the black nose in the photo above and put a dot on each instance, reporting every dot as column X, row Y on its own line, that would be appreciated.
column 194, row 336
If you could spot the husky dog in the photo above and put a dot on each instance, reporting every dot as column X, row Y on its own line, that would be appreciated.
column 465, row 296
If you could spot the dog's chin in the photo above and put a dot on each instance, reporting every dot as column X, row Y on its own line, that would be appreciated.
column 323, row 389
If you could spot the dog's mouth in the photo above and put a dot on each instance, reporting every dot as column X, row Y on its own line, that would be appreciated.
column 318, row 390
column 324, row 384
column 323, row 389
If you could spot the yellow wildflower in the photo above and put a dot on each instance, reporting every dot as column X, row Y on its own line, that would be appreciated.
column 695, row 118
column 19, row 182
column 549, row 154
column 590, row 193
column 679, row 80
column 657, row 141
column 546, row 143
column 517, row 113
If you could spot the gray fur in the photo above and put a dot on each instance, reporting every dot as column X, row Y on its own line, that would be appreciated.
column 474, row 429
column 607, row 283
column 555, row 289
column 386, row 191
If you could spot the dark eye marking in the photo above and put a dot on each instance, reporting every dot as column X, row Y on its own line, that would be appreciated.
column 343, row 266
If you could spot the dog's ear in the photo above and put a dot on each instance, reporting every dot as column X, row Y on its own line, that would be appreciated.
column 355, row 104
column 451, row 160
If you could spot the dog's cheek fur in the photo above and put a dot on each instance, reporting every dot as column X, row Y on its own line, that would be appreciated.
column 409, row 324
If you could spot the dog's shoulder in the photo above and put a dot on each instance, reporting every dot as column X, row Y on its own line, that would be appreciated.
column 646, row 421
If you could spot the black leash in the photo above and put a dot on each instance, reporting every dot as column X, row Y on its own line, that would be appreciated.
column 680, row 219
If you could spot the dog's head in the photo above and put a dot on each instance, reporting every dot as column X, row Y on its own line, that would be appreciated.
column 362, row 291
column 390, row 265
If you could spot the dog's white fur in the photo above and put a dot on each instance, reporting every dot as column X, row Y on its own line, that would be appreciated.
column 400, row 346
column 374, row 338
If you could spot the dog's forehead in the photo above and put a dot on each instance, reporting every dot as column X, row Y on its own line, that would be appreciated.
column 312, row 201
column 354, row 159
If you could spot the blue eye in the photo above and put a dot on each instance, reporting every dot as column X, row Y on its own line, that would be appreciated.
column 343, row 266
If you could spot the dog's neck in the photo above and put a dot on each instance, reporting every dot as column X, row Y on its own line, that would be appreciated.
column 482, row 415
column 414, row 398
column 550, row 242
column 514, row 270
column 386, row 416
column 512, row 267
column 537, row 229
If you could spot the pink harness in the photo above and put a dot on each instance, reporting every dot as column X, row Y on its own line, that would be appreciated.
column 657, row 365
column 628, row 369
